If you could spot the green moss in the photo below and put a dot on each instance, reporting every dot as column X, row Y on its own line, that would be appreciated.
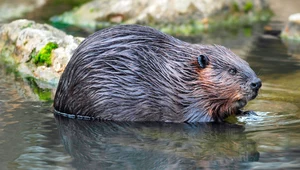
column 10, row 69
column 248, row 6
column 44, row 55
column 33, row 54
column 6, row 56
column 25, row 43
column 239, row 20
column 232, row 21
column 92, row 10
column 68, row 2
column 44, row 94
column 235, row 7
column 27, row 26
column 247, row 31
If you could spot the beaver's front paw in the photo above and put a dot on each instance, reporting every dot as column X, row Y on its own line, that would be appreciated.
column 247, row 113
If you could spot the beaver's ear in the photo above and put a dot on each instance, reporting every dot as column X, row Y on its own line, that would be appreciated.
column 203, row 61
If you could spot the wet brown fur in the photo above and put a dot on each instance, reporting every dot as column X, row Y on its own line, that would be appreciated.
column 136, row 73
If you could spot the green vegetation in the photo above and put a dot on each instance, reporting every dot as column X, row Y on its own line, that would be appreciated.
column 68, row 2
column 44, row 94
column 11, row 70
column 92, row 9
column 235, row 7
column 231, row 21
column 247, row 31
column 248, row 6
column 5, row 56
column 44, row 56
column 27, row 26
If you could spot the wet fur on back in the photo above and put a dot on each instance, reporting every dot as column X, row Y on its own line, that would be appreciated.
column 136, row 73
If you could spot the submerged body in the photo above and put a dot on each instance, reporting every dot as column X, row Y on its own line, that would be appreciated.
column 136, row 73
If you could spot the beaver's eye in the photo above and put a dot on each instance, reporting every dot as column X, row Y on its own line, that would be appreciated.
column 232, row 71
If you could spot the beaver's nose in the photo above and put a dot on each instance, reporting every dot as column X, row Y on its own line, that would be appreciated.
column 256, row 84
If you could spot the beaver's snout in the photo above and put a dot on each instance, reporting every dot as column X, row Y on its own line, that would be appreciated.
column 256, row 84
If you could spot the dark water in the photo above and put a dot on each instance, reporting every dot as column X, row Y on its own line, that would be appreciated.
column 31, row 137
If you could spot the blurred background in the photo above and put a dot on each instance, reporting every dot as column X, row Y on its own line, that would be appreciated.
column 266, row 33
column 191, row 16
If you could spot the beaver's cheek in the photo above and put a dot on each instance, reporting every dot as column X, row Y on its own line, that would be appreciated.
column 240, row 104
column 249, row 95
column 254, row 95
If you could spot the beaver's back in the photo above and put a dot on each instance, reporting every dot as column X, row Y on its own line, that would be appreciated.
column 127, row 73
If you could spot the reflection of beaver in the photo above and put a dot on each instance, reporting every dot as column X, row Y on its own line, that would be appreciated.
column 136, row 73
column 155, row 145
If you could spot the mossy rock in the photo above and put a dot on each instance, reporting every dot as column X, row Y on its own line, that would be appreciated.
column 187, row 20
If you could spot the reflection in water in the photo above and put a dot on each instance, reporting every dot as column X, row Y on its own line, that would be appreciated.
column 28, row 135
column 155, row 145
column 29, row 138
column 269, row 56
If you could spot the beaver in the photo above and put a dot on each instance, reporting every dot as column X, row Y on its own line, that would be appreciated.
column 137, row 73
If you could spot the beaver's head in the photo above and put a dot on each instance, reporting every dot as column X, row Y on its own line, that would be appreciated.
column 227, row 81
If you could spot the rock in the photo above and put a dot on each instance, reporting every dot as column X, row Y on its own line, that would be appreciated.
column 291, row 35
column 10, row 9
column 101, row 13
column 283, row 10
column 293, row 47
column 292, row 28
column 47, row 74
column 23, row 40
column 62, row 55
